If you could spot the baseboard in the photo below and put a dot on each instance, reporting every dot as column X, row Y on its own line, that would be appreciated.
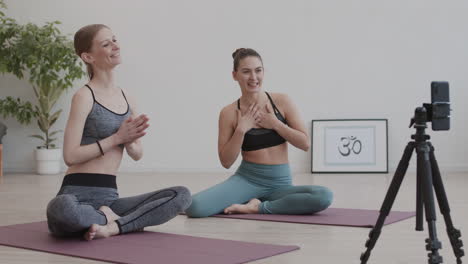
column 443, row 168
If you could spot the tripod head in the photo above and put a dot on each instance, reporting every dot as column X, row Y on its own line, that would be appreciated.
column 438, row 111
column 419, row 121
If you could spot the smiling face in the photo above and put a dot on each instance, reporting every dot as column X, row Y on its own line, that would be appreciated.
column 105, row 50
column 249, row 74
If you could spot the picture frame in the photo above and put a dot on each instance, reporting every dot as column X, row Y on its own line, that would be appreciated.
column 349, row 146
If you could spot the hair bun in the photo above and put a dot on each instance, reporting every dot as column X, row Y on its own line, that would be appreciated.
column 237, row 51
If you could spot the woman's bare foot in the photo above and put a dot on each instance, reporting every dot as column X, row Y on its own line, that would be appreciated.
column 249, row 208
column 110, row 215
column 91, row 232
column 102, row 231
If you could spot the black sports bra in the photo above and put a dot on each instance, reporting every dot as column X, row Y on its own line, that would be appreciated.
column 260, row 138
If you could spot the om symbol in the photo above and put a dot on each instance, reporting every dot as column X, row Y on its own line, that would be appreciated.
column 348, row 145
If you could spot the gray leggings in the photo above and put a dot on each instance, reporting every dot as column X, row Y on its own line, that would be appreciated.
column 75, row 208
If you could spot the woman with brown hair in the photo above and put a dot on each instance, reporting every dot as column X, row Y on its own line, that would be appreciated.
column 258, row 126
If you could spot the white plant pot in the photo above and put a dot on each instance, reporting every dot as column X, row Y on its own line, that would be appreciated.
column 48, row 161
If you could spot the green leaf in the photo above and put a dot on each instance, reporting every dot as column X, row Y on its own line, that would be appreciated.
column 54, row 133
column 43, row 126
column 38, row 136
column 56, row 114
column 36, row 93
column 21, row 111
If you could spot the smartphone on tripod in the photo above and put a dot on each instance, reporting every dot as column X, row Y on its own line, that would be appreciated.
column 440, row 104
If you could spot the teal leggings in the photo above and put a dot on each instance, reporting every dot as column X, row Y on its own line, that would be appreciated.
column 271, row 184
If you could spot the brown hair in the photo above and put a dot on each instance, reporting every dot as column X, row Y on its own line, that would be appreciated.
column 83, row 42
column 241, row 53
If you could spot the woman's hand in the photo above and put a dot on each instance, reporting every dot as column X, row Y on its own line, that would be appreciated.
column 267, row 119
column 248, row 120
column 132, row 129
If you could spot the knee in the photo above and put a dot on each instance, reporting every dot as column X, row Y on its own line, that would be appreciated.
column 184, row 198
column 325, row 197
column 59, row 207
column 320, row 198
column 61, row 213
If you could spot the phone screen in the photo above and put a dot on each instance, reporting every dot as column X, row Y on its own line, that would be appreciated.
column 440, row 106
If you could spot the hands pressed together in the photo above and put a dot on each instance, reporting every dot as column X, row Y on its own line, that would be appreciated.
column 132, row 129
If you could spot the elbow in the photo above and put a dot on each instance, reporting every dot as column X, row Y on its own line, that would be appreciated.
column 134, row 151
column 305, row 146
column 226, row 165
column 137, row 157
column 68, row 161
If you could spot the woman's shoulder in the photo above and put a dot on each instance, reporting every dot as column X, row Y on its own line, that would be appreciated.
column 83, row 92
column 280, row 98
column 229, row 110
column 83, row 97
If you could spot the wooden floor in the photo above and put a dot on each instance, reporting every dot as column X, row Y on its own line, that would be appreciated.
column 23, row 198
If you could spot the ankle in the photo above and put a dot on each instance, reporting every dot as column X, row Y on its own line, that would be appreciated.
column 110, row 215
column 113, row 228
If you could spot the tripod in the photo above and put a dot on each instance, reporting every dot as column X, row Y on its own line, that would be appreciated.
column 428, row 176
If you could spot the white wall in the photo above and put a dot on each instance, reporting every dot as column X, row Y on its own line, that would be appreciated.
column 336, row 59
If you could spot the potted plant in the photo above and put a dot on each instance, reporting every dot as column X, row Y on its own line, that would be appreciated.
column 47, row 58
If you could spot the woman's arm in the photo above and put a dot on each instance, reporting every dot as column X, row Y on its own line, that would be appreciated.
column 294, row 132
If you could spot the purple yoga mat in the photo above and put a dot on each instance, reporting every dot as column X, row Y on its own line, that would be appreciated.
column 330, row 216
column 140, row 247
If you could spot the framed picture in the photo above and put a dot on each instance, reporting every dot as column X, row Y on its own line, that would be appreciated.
column 350, row 146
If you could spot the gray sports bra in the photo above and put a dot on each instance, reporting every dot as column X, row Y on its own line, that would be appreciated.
column 102, row 122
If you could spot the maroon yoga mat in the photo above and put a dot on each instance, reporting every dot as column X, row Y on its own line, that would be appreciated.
column 140, row 247
column 330, row 216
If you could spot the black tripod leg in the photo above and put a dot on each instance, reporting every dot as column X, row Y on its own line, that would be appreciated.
column 453, row 233
column 433, row 244
column 419, row 199
column 388, row 201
